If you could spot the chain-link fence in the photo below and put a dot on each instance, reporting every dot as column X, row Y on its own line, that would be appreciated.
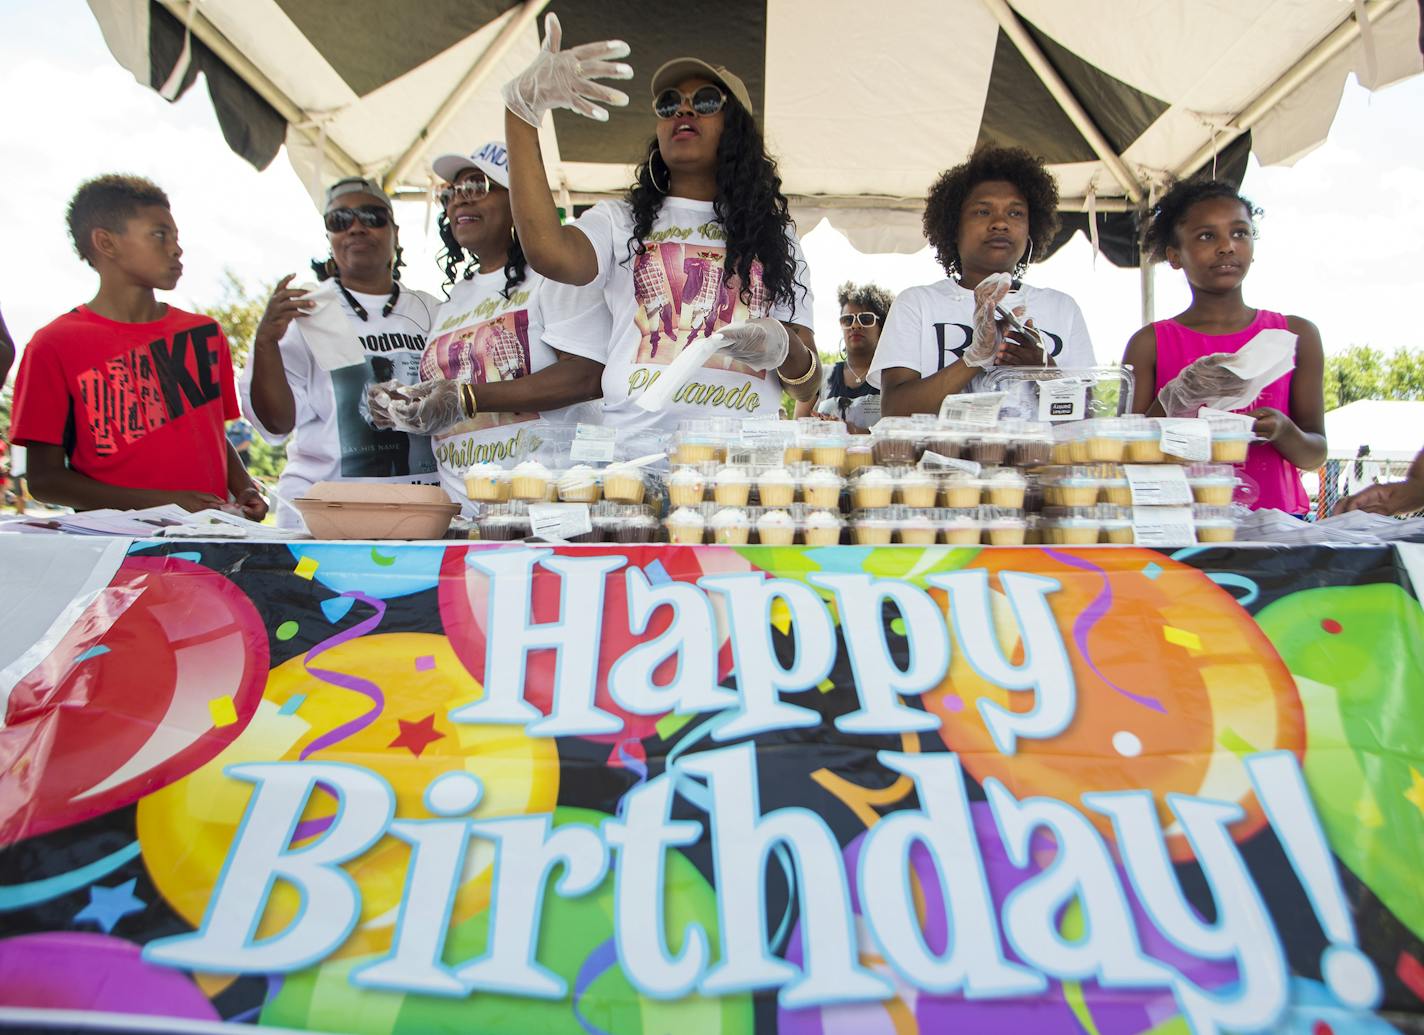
column 1339, row 478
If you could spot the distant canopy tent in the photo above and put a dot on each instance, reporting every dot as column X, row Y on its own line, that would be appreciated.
column 864, row 105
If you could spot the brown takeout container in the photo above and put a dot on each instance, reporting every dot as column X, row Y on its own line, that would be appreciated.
column 360, row 510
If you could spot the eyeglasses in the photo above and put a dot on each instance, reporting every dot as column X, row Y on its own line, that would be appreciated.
column 373, row 217
column 705, row 100
column 864, row 319
column 472, row 189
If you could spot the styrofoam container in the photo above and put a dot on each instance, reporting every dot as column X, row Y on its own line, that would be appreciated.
column 361, row 510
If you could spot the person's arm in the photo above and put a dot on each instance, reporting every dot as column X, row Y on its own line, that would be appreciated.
column 1141, row 355
column 1390, row 497
column 52, row 480
column 7, row 352
column 805, row 408
column 560, row 252
column 573, row 379
column 243, row 489
column 1300, row 435
column 799, row 362
column 904, row 392
column 273, row 403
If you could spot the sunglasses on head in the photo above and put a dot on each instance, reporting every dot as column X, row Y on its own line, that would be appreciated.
column 864, row 319
column 472, row 189
column 373, row 217
column 705, row 100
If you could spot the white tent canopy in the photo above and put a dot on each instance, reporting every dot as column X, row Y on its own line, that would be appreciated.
column 864, row 104
column 1393, row 430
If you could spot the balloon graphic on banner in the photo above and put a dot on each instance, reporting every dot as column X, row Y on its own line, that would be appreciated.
column 1175, row 682
column 153, row 679
column 390, row 719
column 464, row 605
column 380, row 571
column 1357, row 653
column 599, row 997
column 79, row 970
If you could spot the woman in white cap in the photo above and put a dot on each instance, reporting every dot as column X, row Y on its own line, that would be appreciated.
column 702, row 243
column 316, row 351
column 486, row 371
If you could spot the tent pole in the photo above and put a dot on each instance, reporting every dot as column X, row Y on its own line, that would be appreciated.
column 516, row 22
column 1149, row 289
column 1048, row 75
column 254, row 77
column 1345, row 34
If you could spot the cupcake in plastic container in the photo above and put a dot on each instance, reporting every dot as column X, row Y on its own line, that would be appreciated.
column 731, row 526
column 873, row 487
column 1142, row 441
column 896, row 441
column 917, row 488
column 858, row 454
column 1116, row 525
column 486, row 483
column 1230, row 440
column 822, row 528
column 959, row 526
column 1071, row 526
column 731, row 486
column 988, row 448
column 1102, row 440
column 775, row 528
column 915, row 526
column 686, row 487
column 1212, row 484
column 1214, row 524
column 1003, row 526
column 530, row 481
column 1005, row 487
column 960, row 490
column 686, row 526
column 776, row 487
column 822, row 488
column 1113, row 486
column 871, row 528
column 1072, row 486
column 635, row 525
column 579, row 484
column 623, row 483
column 829, row 450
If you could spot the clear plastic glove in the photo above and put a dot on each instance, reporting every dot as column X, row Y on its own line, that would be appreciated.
column 988, row 335
column 1201, row 383
column 428, row 407
column 565, row 78
column 762, row 344
column 380, row 398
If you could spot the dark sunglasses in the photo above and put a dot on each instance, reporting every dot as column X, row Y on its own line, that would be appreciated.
column 705, row 100
column 472, row 189
column 339, row 220
column 864, row 319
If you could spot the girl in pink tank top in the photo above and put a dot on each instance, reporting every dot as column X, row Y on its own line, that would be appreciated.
column 1206, row 229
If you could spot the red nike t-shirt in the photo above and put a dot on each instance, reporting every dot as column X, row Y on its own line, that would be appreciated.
column 139, row 405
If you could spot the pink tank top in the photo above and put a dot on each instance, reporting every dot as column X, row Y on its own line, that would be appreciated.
column 1277, row 478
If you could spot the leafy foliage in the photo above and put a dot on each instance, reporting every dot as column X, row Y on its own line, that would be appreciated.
column 1362, row 372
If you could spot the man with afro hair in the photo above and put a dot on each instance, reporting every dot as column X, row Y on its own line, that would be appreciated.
column 986, row 218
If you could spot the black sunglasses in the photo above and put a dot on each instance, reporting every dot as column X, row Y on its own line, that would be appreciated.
column 339, row 220
column 705, row 100
column 864, row 319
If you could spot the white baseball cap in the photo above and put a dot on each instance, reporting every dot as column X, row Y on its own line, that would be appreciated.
column 492, row 159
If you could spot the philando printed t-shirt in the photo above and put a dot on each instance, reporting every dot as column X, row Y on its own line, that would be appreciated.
column 137, row 405
column 667, row 297
column 479, row 336
column 334, row 438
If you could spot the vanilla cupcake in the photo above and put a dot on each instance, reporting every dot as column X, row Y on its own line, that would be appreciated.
column 775, row 528
column 872, row 488
column 871, row 530
column 776, row 487
column 857, row 457
column 623, row 483
column 579, row 484
column 731, row 486
column 686, row 487
column 1212, row 484
column 731, row 527
column 1229, row 445
column 917, row 488
column 960, row 530
column 822, row 488
column 694, row 450
column 960, row 490
column 1005, row 531
column 530, row 481
column 486, row 483
column 1006, row 488
column 915, row 528
column 685, row 526
column 822, row 528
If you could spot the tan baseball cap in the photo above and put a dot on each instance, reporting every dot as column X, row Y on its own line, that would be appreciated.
column 678, row 69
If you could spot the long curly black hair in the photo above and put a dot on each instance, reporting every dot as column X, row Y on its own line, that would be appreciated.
column 1015, row 165
column 453, row 255
column 1168, row 213
column 749, row 204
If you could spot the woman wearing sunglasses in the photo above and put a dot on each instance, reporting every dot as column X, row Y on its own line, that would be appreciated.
column 846, row 395
column 315, row 352
column 701, row 244
column 486, row 371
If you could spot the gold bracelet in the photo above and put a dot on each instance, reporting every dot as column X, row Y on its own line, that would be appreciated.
column 788, row 382
column 467, row 396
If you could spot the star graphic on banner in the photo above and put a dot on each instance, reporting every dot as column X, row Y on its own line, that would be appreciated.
column 417, row 736
column 1415, row 794
column 107, row 906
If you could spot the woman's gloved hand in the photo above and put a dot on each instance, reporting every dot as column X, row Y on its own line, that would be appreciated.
column 988, row 336
column 1201, row 383
column 763, row 344
column 565, row 78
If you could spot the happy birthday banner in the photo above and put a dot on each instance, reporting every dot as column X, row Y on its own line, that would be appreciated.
column 495, row 788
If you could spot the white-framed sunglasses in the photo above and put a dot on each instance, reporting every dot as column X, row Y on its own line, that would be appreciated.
column 472, row 189
column 849, row 320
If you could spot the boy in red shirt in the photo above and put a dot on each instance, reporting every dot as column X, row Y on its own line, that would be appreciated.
column 122, row 401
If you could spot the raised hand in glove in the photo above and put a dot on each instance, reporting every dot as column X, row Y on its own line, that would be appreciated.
column 988, row 334
column 1201, row 383
column 762, row 344
column 565, row 78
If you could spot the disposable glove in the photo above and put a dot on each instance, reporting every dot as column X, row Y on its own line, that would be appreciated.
column 379, row 399
column 988, row 336
column 762, row 344
column 1201, row 383
column 565, row 79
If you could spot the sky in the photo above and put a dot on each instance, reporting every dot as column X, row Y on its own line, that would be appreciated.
column 1340, row 242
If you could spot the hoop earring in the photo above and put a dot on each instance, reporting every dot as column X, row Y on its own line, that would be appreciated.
column 396, row 266
column 653, row 152
column 1022, row 265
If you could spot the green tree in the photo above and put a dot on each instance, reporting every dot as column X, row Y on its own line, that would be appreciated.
column 1362, row 372
column 238, row 313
